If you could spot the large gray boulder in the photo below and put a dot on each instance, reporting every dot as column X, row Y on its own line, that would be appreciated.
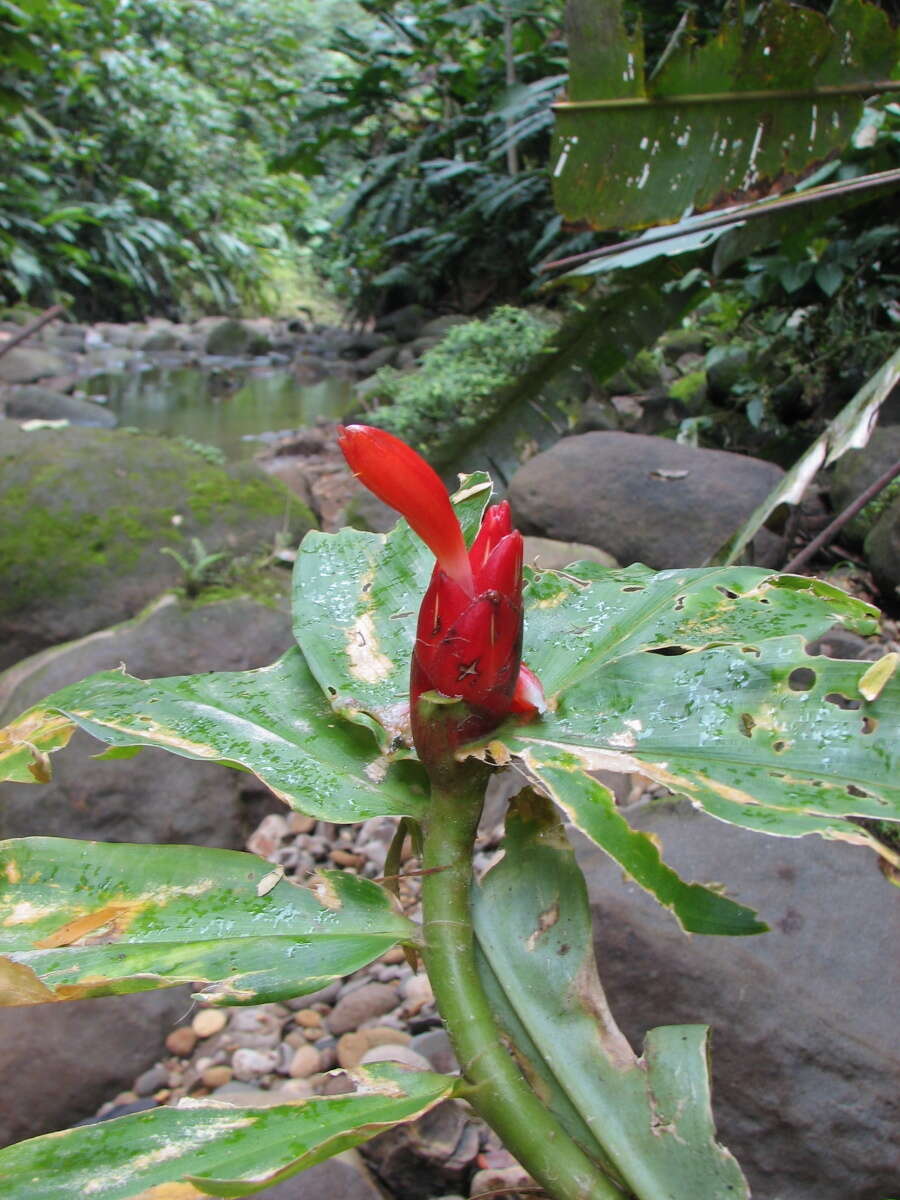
column 155, row 797
column 85, row 513
column 59, row 1062
column 642, row 498
column 805, row 1037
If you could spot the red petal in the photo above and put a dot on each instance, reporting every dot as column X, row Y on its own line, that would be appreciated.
column 503, row 570
column 405, row 481
column 528, row 698
column 495, row 524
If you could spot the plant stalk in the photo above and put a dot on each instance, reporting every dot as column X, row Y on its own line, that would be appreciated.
column 498, row 1090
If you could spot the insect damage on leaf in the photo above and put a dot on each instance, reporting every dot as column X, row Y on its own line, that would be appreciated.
column 20, row 985
column 325, row 892
column 367, row 662
column 546, row 920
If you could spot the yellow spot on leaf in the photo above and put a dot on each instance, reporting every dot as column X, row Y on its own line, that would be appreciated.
column 12, row 872
column 546, row 920
column 875, row 679
column 367, row 663
column 109, row 922
column 324, row 891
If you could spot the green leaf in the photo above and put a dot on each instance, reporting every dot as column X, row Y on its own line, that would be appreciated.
column 651, row 1116
column 719, row 120
column 89, row 919
column 592, row 809
column 356, row 601
column 222, row 1150
column 272, row 721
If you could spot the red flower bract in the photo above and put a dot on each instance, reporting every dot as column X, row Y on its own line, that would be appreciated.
column 469, row 635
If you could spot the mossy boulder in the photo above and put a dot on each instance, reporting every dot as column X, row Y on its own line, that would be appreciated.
column 855, row 471
column 84, row 514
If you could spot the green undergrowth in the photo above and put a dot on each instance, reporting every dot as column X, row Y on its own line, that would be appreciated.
column 461, row 384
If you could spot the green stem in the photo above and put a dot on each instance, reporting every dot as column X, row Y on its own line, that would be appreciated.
column 498, row 1090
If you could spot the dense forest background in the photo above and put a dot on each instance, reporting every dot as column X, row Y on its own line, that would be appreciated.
column 170, row 158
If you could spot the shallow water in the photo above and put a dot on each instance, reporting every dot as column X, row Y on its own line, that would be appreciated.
column 225, row 407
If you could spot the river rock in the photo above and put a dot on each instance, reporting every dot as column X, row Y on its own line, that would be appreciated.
column 236, row 339
column 362, row 1004
column 428, row 1156
column 27, row 364
column 59, row 1062
column 30, row 401
column 806, row 1043
column 855, row 471
column 882, row 549
column 641, row 498
column 344, row 1177
column 84, row 514
column 156, row 797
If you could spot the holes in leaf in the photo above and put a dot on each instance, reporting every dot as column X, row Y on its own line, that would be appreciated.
column 779, row 746
column 679, row 603
column 727, row 592
column 839, row 700
column 801, row 679
column 747, row 724
column 668, row 650
column 853, row 790
column 332, row 691
column 634, row 587
column 869, row 724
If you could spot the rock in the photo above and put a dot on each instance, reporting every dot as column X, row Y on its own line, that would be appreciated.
column 158, row 340
column 234, row 339
column 305, row 1061
column 216, row 1076
column 84, row 514
column 882, row 550
column 435, row 1046
column 29, row 402
column 209, row 1021
column 406, row 323
column 426, row 1157
column 641, row 498
column 59, row 1062
column 27, row 365
column 151, row 1081
column 551, row 555
column 370, row 1000
column 248, row 1064
column 404, row 1055
column 155, row 797
column 683, row 341
column 438, row 326
column 247, row 1095
column 805, row 1036
column 726, row 366
column 181, row 1041
column 417, row 993
column 352, row 1046
column 855, row 471
column 258, row 1028
column 344, row 1177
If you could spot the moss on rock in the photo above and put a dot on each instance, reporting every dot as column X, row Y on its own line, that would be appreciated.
column 84, row 514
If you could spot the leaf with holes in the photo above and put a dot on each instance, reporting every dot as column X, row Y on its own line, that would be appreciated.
column 272, row 721
column 650, row 1118
column 220, row 1149
column 88, row 919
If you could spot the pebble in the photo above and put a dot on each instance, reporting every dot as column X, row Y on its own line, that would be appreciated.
column 209, row 1021
column 417, row 993
column 181, row 1041
column 249, row 1064
column 337, row 1083
column 370, row 1000
column 216, row 1077
column 352, row 1046
column 346, row 858
column 255, row 1028
column 151, row 1081
column 308, row 1017
column 300, row 823
column 305, row 1061
column 435, row 1046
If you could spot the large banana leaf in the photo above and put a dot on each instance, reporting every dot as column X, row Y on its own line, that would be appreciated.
column 650, row 1118
column 89, row 919
column 757, row 104
column 214, row 1148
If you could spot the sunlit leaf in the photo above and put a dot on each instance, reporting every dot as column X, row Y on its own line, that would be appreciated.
column 89, row 919
column 650, row 1116
column 223, row 1150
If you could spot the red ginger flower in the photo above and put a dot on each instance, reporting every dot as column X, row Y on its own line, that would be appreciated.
column 469, row 636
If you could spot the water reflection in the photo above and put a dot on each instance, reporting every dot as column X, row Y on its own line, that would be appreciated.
column 228, row 409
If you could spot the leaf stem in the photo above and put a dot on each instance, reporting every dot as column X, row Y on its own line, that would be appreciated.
column 498, row 1090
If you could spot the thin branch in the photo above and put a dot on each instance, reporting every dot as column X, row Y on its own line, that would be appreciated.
column 56, row 311
column 842, row 518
